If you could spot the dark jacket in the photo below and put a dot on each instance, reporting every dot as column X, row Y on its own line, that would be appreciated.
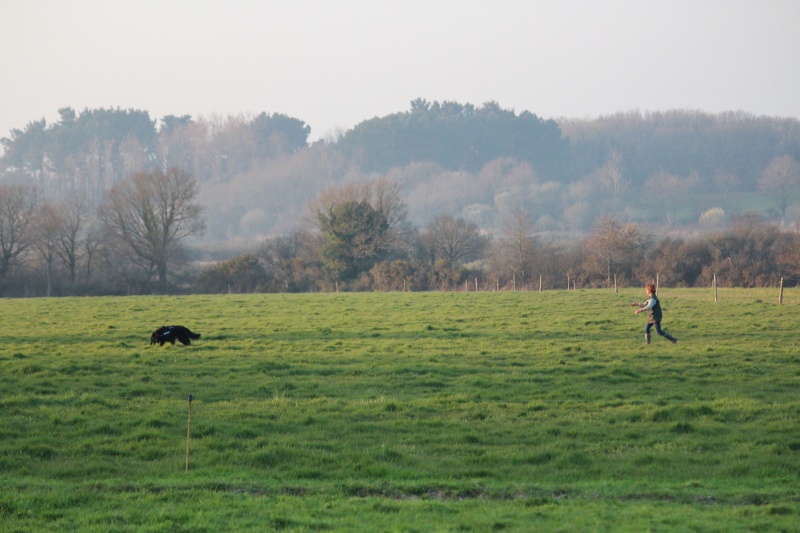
column 654, row 313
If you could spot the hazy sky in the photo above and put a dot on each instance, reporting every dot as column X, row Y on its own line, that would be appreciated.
column 334, row 63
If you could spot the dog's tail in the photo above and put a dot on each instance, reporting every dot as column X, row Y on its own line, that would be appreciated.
column 194, row 335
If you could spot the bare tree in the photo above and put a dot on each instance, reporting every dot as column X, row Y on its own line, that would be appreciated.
column 45, row 230
column 610, row 177
column 456, row 240
column 71, row 217
column 781, row 179
column 92, row 246
column 614, row 246
column 17, row 212
column 151, row 213
column 516, row 245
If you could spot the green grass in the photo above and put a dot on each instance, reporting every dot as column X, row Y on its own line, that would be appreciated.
column 402, row 412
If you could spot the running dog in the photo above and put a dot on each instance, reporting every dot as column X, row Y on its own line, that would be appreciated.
column 171, row 334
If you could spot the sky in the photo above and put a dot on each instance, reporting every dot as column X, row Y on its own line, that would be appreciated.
column 336, row 63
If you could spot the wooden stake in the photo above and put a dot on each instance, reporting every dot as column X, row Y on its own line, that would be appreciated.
column 540, row 283
column 715, row 287
column 780, row 295
column 188, row 433
column 616, row 291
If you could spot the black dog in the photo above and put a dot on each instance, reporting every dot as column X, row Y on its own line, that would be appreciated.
column 172, row 334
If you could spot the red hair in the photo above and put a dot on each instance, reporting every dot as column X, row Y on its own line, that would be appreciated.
column 650, row 288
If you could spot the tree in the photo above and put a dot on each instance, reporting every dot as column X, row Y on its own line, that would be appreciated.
column 677, row 262
column 45, row 228
column 180, row 140
column 456, row 240
column 789, row 256
column 781, row 179
column 354, row 233
column 515, row 248
column 150, row 213
column 93, row 246
column 26, row 150
column 615, row 247
column 241, row 274
column 610, row 177
column 292, row 262
column 746, row 255
column 278, row 134
column 360, row 224
column 17, row 213
column 58, row 230
column 456, row 136
column 73, row 215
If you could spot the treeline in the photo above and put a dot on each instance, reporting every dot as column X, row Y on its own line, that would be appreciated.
column 457, row 137
column 354, row 251
column 358, row 238
column 133, row 242
column 444, row 196
column 675, row 170
column 86, row 153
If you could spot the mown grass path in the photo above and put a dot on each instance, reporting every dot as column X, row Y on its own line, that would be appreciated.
column 401, row 412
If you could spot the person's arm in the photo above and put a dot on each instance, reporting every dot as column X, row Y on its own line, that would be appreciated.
column 646, row 305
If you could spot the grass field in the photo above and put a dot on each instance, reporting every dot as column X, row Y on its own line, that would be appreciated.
column 402, row 412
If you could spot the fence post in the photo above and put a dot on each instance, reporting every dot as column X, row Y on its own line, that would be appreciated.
column 780, row 295
column 188, row 433
column 715, row 287
column 616, row 291
column 540, row 283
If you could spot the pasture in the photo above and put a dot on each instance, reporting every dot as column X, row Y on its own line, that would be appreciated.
column 495, row 411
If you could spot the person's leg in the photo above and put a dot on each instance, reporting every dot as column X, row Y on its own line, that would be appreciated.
column 664, row 333
column 647, row 332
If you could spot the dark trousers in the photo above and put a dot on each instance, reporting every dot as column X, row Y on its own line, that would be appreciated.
column 658, row 328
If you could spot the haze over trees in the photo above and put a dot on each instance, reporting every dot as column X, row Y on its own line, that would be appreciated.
column 781, row 180
column 421, row 199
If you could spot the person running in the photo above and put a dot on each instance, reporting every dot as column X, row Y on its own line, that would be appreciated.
column 653, row 308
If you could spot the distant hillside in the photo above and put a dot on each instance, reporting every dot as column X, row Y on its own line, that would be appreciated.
column 258, row 172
